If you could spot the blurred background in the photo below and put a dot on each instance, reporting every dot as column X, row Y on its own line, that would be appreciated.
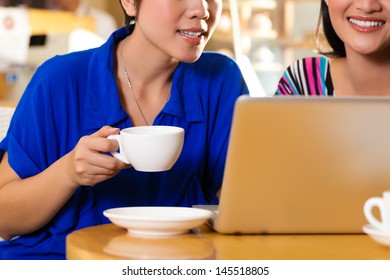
column 264, row 36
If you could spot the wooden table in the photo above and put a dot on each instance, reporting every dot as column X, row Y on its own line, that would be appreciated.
column 111, row 242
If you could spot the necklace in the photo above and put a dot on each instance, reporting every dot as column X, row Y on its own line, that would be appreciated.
column 129, row 83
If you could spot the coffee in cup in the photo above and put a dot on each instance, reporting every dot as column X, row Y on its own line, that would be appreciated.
column 149, row 148
column 383, row 204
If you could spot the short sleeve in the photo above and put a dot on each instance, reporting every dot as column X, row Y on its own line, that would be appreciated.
column 308, row 76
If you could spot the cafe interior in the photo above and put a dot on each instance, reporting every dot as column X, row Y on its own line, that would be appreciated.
column 263, row 36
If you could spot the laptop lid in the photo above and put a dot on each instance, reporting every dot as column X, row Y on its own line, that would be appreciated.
column 304, row 165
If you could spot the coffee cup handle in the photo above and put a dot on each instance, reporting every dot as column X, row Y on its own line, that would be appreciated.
column 118, row 155
column 368, row 206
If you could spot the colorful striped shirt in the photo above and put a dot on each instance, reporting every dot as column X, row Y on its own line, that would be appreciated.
column 307, row 76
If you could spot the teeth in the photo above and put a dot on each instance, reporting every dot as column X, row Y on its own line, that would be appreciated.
column 366, row 23
column 191, row 34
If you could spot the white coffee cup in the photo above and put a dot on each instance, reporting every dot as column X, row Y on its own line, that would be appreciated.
column 149, row 148
column 383, row 204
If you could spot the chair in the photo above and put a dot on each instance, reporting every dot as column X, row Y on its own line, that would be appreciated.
column 5, row 118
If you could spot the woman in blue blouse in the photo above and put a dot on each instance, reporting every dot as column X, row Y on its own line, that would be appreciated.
column 56, row 172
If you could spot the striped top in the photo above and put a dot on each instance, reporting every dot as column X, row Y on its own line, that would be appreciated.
column 307, row 76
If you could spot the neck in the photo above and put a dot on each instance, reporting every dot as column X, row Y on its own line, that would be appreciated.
column 362, row 76
column 144, row 90
column 152, row 67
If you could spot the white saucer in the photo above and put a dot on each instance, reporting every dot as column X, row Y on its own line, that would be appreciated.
column 379, row 236
column 157, row 221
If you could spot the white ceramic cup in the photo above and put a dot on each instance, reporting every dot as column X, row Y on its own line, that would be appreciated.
column 383, row 204
column 149, row 148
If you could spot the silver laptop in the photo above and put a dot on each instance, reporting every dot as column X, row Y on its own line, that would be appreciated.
column 304, row 165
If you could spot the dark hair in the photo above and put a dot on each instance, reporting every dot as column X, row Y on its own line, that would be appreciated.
column 338, row 47
column 129, row 21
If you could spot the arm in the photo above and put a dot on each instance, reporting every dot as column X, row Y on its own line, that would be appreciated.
column 28, row 204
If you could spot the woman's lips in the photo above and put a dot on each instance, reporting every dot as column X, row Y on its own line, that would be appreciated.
column 366, row 25
column 193, row 37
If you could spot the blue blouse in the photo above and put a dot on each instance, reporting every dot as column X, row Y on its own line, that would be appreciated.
column 76, row 94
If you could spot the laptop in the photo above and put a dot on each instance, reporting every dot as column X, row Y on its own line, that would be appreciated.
column 299, row 165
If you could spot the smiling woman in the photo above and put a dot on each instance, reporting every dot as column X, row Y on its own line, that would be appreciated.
column 359, row 62
column 152, row 71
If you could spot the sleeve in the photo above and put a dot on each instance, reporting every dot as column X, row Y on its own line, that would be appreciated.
column 305, row 76
column 32, row 139
column 291, row 81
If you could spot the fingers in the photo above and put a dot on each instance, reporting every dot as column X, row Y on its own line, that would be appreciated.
column 104, row 164
column 99, row 141
column 99, row 144
column 94, row 163
column 91, row 164
column 105, row 131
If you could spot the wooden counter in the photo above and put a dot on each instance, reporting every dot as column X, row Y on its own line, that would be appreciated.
column 49, row 21
column 111, row 242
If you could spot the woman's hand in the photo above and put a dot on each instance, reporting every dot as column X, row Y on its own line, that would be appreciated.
column 88, row 165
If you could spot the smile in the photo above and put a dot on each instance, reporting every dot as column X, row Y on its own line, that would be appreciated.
column 364, row 23
column 191, row 34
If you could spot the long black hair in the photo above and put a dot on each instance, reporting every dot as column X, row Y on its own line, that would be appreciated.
column 337, row 45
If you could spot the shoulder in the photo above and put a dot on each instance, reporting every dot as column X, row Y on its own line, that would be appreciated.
column 217, row 67
column 308, row 68
column 216, row 60
column 61, row 65
column 58, row 79
column 309, row 63
column 306, row 76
